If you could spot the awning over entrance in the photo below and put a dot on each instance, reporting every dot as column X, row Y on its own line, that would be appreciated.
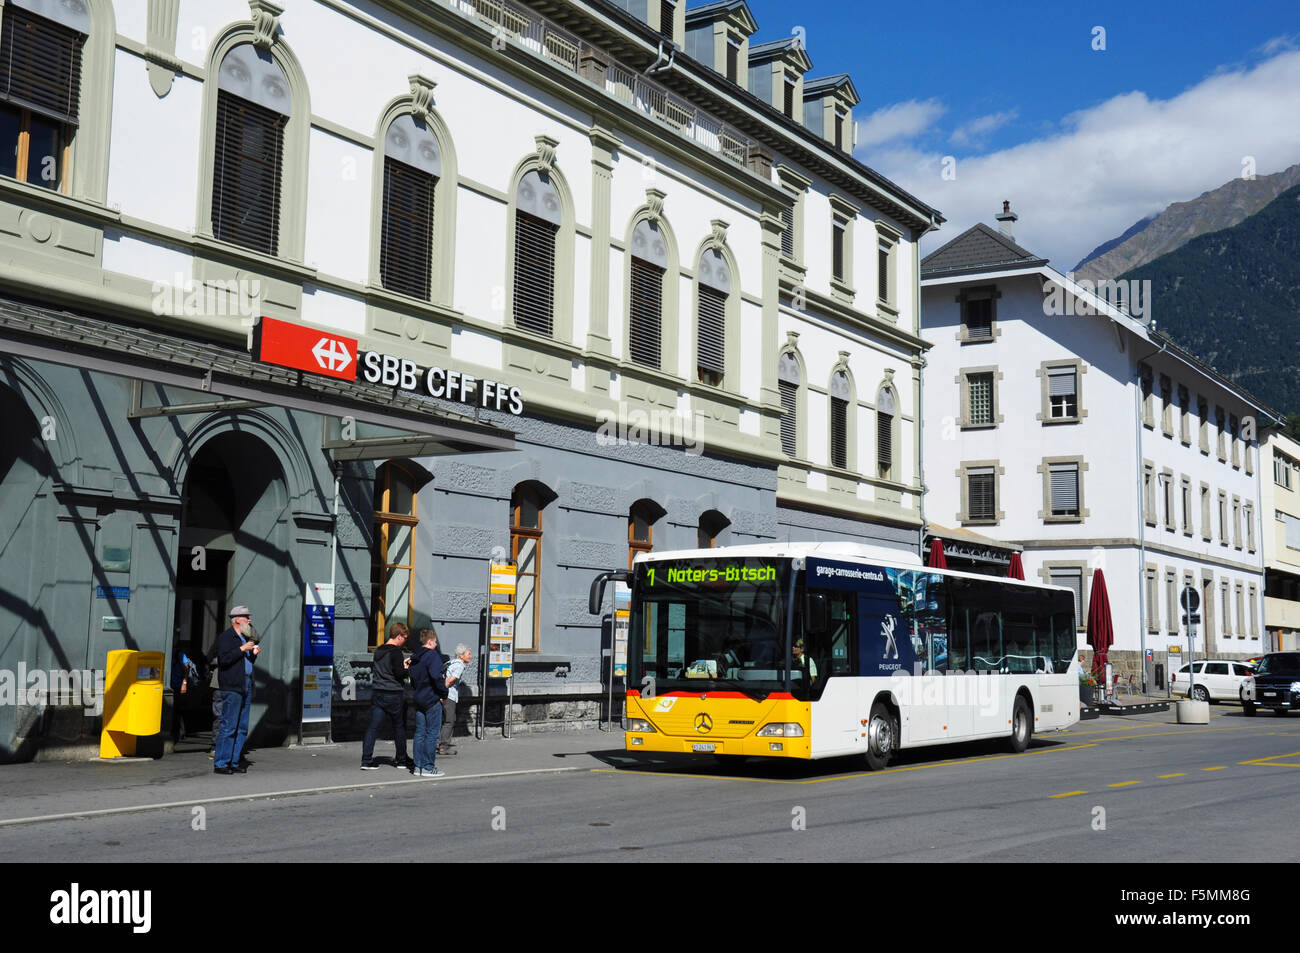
column 381, row 421
column 971, row 552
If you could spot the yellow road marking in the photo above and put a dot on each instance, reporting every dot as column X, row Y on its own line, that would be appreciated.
column 1122, row 784
column 1272, row 761
column 1068, row 794
column 1179, row 775
column 843, row 777
column 1221, row 767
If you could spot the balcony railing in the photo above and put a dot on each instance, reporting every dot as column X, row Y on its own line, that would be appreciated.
column 536, row 33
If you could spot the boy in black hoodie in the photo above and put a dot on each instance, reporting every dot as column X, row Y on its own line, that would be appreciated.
column 428, row 683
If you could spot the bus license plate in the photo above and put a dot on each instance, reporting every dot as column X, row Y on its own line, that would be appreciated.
column 700, row 746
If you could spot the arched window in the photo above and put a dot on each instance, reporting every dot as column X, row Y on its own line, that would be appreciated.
column 787, row 382
column 641, row 521
column 539, row 213
column 885, row 423
column 412, row 170
column 711, row 529
column 253, row 109
column 711, row 343
column 393, row 555
column 649, row 263
column 526, row 504
column 40, row 88
column 841, row 396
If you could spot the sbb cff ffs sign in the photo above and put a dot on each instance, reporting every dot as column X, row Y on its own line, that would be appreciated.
column 446, row 383
column 305, row 349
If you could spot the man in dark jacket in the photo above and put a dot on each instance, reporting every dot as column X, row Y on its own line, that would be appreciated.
column 387, row 698
column 429, row 684
column 236, row 653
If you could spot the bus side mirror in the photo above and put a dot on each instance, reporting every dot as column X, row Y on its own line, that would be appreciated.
column 596, row 596
column 817, row 619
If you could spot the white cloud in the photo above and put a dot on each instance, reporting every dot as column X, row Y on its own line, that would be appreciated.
column 899, row 121
column 980, row 128
column 1105, row 167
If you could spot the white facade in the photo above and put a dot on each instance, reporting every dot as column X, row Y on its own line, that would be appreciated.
column 1280, row 481
column 1142, row 465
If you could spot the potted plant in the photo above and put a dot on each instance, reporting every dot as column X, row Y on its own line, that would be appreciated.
column 1087, row 686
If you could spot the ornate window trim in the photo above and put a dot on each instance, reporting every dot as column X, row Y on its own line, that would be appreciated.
column 562, row 301
column 419, row 103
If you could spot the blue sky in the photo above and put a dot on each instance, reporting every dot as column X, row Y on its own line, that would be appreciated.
column 1083, row 142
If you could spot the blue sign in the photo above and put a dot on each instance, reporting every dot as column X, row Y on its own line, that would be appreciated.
column 318, row 635
column 113, row 592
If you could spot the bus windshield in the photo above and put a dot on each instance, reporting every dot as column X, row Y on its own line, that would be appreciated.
column 709, row 623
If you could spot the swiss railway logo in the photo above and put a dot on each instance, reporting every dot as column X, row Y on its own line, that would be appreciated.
column 305, row 349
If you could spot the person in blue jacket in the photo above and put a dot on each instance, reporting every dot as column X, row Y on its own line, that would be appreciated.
column 429, row 687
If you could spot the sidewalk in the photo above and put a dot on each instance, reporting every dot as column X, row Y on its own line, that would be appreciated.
column 40, row 790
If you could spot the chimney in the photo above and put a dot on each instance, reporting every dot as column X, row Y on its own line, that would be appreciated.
column 1007, row 221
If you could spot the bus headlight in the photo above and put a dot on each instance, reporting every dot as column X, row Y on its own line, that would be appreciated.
column 1295, row 688
column 640, row 724
column 781, row 729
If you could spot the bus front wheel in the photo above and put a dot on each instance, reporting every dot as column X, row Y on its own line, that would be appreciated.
column 1022, row 725
column 882, row 737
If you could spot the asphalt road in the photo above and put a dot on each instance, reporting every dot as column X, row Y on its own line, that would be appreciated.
column 1137, row 788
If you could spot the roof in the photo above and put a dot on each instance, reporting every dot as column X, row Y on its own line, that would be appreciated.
column 773, row 49
column 979, row 248
column 824, row 84
column 711, row 11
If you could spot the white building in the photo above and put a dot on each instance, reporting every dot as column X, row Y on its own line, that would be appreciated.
column 648, row 232
column 1280, row 476
column 1058, row 422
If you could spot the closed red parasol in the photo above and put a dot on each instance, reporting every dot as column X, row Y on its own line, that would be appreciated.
column 937, row 558
column 1101, row 631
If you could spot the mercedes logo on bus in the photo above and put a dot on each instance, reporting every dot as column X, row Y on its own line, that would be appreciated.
column 703, row 723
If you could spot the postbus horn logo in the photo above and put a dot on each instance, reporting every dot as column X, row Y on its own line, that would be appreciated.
column 703, row 723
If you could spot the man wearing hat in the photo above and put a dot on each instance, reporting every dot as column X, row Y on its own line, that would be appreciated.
column 237, row 649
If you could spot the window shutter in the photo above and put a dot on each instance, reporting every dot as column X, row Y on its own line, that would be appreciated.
column 1071, row 579
column 406, row 251
column 980, row 503
column 789, row 420
column 839, row 432
column 40, row 64
column 712, row 331
column 882, row 257
column 1061, row 381
column 837, row 250
column 534, row 290
column 979, row 319
column 1065, row 489
column 246, row 174
column 646, row 313
column 787, row 233
column 885, row 443
column 666, row 10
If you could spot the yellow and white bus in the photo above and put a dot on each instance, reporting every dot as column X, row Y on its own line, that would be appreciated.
column 820, row 650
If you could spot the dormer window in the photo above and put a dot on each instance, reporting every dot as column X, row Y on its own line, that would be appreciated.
column 733, row 59
column 787, row 104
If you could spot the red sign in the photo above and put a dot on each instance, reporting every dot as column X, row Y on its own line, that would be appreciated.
column 305, row 349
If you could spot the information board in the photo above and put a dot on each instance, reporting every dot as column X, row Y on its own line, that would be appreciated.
column 317, row 652
column 501, row 640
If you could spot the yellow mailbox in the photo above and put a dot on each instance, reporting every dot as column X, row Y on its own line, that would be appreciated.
column 133, row 695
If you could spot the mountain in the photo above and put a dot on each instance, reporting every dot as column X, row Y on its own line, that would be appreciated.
column 1226, row 206
column 1113, row 243
column 1232, row 298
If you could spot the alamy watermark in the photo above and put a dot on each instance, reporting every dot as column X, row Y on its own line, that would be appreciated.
column 184, row 297
column 1132, row 296
column 658, row 428
column 38, row 687
column 954, row 688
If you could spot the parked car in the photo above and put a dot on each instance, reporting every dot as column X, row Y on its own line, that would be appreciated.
column 1216, row 680
column 1275, row 685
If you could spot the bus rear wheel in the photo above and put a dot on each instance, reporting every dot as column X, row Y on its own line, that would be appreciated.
column 882, row 737
column 1022, row 725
